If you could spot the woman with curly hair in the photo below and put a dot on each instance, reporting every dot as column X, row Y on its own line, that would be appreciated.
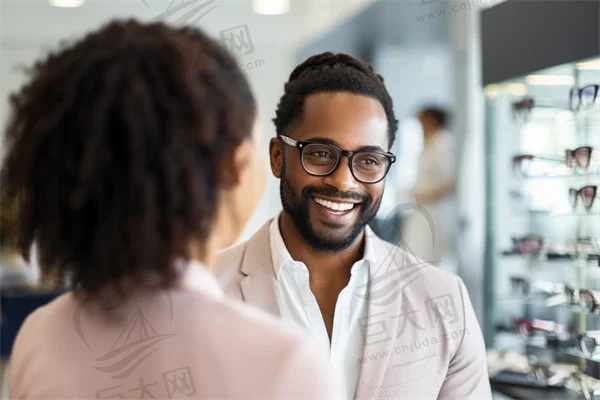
column 132, row 156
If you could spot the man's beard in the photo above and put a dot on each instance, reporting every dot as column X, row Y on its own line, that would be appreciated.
column 297, row 208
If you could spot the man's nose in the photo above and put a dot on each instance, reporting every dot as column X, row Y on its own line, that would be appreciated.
column 342, row 178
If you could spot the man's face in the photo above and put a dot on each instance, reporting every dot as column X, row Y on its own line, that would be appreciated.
column 351, row 122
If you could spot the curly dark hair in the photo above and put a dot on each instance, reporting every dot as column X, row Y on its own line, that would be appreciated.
column 115, row 150
column 330, row 72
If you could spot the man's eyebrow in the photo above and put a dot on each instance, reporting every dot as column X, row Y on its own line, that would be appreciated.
column 333, row 142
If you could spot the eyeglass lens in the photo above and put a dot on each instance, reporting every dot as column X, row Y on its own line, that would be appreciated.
column 322, row 159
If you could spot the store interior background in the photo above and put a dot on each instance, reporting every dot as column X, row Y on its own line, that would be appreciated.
column 424, row 56
column 430, row 61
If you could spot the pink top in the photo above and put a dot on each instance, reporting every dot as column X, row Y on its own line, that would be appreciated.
column 189, row 342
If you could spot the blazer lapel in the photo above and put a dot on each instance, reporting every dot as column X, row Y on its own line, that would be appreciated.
column 259, row 283
column 384, row 294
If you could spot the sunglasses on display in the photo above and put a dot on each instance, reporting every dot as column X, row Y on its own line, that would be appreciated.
column 530, row 165
column 587, row 300
column 322, row 159
column 519, row 285
column 587, row 193
column 588, row 342
column 526, row 327
column 584, row 385
column 523, row 107
column 531, row 244
column 583, row 98
column 581, row 157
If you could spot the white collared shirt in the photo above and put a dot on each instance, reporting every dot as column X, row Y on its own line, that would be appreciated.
column 299, row 306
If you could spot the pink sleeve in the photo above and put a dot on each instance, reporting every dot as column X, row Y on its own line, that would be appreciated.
column 307, row 375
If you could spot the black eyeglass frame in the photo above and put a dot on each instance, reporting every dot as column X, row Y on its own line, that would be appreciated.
column 578, row 91
column 301, row 145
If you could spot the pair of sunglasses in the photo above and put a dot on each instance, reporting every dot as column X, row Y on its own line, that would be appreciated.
column 531, row 244
column 588, row 300
column 583, row 98
column 519, row 285
column 581, row 157
column 531, row 165
column 587, row 194
column 584, row 385
column 588, row 342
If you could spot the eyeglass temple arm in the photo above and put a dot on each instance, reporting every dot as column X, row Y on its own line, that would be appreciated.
column 289, row 140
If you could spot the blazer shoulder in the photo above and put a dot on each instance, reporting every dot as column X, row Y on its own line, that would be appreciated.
column 229, row 259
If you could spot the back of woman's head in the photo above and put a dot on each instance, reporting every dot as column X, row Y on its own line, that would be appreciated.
column 114, row 151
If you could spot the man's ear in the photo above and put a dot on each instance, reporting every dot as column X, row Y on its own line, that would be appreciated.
column 235, row 163
column 276, row 157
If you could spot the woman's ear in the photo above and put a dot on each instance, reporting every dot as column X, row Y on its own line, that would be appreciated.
column 276, row 157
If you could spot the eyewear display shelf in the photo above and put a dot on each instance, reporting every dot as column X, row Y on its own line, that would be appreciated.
column 542, row 252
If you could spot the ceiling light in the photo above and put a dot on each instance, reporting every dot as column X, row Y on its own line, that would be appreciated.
column 517, row 89
column 271, row 7
column 550, row 80
column 593, row 65
column 67, row 3
column 492, row 90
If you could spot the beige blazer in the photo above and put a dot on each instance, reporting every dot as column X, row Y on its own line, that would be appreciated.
column 421, row 337
column 190, row 342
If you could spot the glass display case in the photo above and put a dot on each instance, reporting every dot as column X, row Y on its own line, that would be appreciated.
column 543, row 227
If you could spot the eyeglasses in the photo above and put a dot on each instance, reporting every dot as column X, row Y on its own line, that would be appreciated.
column 588, row 300
column 583, row 98
column 323, row 159
column 532, row 244
column 526, row 327
column 524, row 106
column 587, row 193
column 530, row 165
column 584, row 384
column 582, row 157
column 588, row 342
column 519, row 285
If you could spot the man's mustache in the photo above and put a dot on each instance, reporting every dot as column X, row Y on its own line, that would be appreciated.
column 334, row 194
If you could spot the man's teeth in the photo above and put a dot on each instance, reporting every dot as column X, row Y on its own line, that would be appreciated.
column 334, row 206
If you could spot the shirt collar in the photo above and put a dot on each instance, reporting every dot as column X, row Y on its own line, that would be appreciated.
column 281, row 255
column 369, row 253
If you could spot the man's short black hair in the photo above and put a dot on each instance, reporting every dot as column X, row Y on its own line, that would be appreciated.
column 115, row 149
column 329, row 72
column 438, row 114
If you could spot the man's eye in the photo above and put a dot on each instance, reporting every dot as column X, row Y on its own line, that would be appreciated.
column 322, row 154
column 370, row 161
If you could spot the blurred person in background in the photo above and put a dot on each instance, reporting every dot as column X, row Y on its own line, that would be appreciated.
column 133, row 155
column 319, row 266
column 14, row 271
column 433, row 190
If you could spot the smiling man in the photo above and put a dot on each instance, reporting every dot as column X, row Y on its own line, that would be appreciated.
column 394, row 326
